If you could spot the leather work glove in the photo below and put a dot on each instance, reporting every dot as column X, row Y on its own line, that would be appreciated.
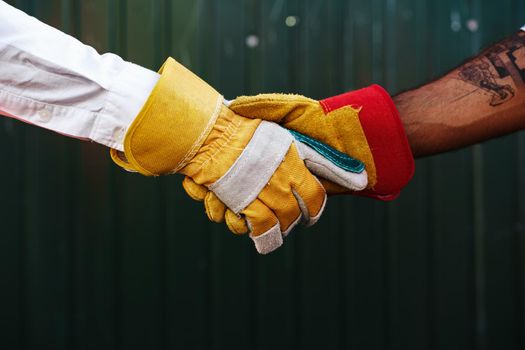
column 255, row 167
column 363, row 124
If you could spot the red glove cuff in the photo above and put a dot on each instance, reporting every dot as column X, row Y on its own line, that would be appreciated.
column 386, row 138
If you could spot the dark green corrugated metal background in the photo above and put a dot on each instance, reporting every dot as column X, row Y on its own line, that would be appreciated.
column 92, row 258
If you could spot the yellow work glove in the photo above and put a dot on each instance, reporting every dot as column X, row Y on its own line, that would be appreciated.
column 255, row 167
column 363, row 124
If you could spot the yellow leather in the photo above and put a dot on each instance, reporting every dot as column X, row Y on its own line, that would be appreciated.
column 196, row 192
column 215, row 209
column 173, row 124
column 226, row 141
column 184, row 127
column 340, row 129
column 236, row 223
column 276, row 203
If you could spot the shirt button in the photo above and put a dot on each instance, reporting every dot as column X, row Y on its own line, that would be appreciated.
column 44, row 115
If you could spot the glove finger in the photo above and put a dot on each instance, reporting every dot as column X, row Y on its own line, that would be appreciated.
column 236, row 223
column 291, row 182
column 284, row 205
column 218, row 212
column 322, row 167
column 278, row 108
column 265, row 229
column 194, row 190
column 312, row 198
column 215, row 208
column 331, row 188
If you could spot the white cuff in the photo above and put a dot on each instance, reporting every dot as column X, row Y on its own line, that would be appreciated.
column 52, row 80
column 124, row 101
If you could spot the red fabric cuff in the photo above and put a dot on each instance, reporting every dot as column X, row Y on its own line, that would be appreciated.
column 386, row 137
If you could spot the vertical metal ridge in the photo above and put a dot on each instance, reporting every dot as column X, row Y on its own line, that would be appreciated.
column 377, row 30
column 162, row 194
column 342, row 275
column 478, row 250
column 430, row 262
column 348, row 39
column 519, row 243
column 120, row 26
column 71, row 10
column 391, row 267
column 519, row 235
column 115, row 19
column 294, row 40
column 208, row 9
column 389, row 77
column 342, row 9
column 250, row 25
column 159, row 30
column 389, row 31
column 431, row 70
column 158, row 14
column 163, row 14
column 22, row 244
column 168, row 37
column 479, row 237
column 340, row 14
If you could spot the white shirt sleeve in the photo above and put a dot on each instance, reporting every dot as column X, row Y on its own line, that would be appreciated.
column 52, row 80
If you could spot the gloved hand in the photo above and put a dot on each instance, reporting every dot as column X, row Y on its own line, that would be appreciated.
column 363, row 124
column 255, row 167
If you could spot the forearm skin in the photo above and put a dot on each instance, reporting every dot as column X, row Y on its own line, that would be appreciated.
column 482, row 99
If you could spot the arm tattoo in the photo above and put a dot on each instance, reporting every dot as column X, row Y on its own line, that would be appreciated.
column 496, row 68
column 479, row 75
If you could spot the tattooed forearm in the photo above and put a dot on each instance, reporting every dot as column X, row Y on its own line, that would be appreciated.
column 482, row 99
column 479, row 75
column 499, row 71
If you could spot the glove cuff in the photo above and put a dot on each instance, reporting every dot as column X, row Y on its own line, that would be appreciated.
column 173, row 124
column 385, row 135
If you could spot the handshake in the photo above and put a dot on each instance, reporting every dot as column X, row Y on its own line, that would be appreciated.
column 265, row 163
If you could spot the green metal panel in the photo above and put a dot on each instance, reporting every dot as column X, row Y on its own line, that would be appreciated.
column 94, row 258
